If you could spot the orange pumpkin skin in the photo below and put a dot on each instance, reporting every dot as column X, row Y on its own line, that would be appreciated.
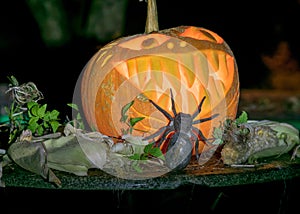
column 193, row 61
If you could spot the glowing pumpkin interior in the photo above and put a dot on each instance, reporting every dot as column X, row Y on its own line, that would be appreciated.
column 192, row 61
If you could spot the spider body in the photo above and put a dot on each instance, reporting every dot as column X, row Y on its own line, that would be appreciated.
column 180, row 136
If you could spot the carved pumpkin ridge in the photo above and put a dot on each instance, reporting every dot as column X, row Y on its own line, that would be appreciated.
column 193, row 61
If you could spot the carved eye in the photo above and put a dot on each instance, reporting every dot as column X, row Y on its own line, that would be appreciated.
column 144, row 42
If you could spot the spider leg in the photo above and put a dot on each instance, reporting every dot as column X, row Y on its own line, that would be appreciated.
column 160, row 131
column 199, row 133
column 163, row 137
column 198, row 110
column 205, row 119
column 165, row 130
column 167, row 115
column 173, row 103
column 196, row 145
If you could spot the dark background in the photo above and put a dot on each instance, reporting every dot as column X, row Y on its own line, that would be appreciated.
column 251, row 28
column 273, row 198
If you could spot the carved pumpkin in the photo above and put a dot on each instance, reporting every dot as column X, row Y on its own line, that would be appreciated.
column 193, row 61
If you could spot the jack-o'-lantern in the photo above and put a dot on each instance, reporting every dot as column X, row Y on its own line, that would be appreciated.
column 192, row 61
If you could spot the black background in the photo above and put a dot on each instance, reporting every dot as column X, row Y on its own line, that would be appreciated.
column 251, row 28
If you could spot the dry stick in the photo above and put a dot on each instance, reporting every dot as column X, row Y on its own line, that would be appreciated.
column 152, row 19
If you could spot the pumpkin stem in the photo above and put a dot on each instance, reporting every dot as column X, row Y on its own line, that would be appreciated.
column 152, row 20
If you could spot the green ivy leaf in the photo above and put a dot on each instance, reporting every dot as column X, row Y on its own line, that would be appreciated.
column 13, row 80
column 133, row 121
column 33, row 120
column 33, row 127
column 144, row 156
column 31, row 104
column 54, row 114
column 148, row 148
column 243, row 118
column 137, row 167
column 46, row 124
column 40, row 130
column 46, row 117
column 34, row 110
column 54, row 125
column 156, row 152
column 124, row 111
column 135, row 156
column 153, row 151
column 41, row 111
column 74, row 106
column 78, row 117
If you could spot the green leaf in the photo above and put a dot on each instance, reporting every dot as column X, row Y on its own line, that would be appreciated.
column 46, row 124
column 40, row 130
column 33, row 127
column 133, row 121
column 33, row 120
column 74, row 106
column 46, row 117
column 148, row 148
column 144, row 156
column 156, row 152
column 123, row 118
column 54, row 125
column 13, row 136
column 13, row 80
column 31, row 104
column 41, row 111
column 78, row 117
column 124, row 111
column 34, row 110
column 54, row 114
column 135, row 156
column 153, row 151
column 137, row 167
column 243, row 118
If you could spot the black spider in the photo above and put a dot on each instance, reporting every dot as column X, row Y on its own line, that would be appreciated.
column 179, row 135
